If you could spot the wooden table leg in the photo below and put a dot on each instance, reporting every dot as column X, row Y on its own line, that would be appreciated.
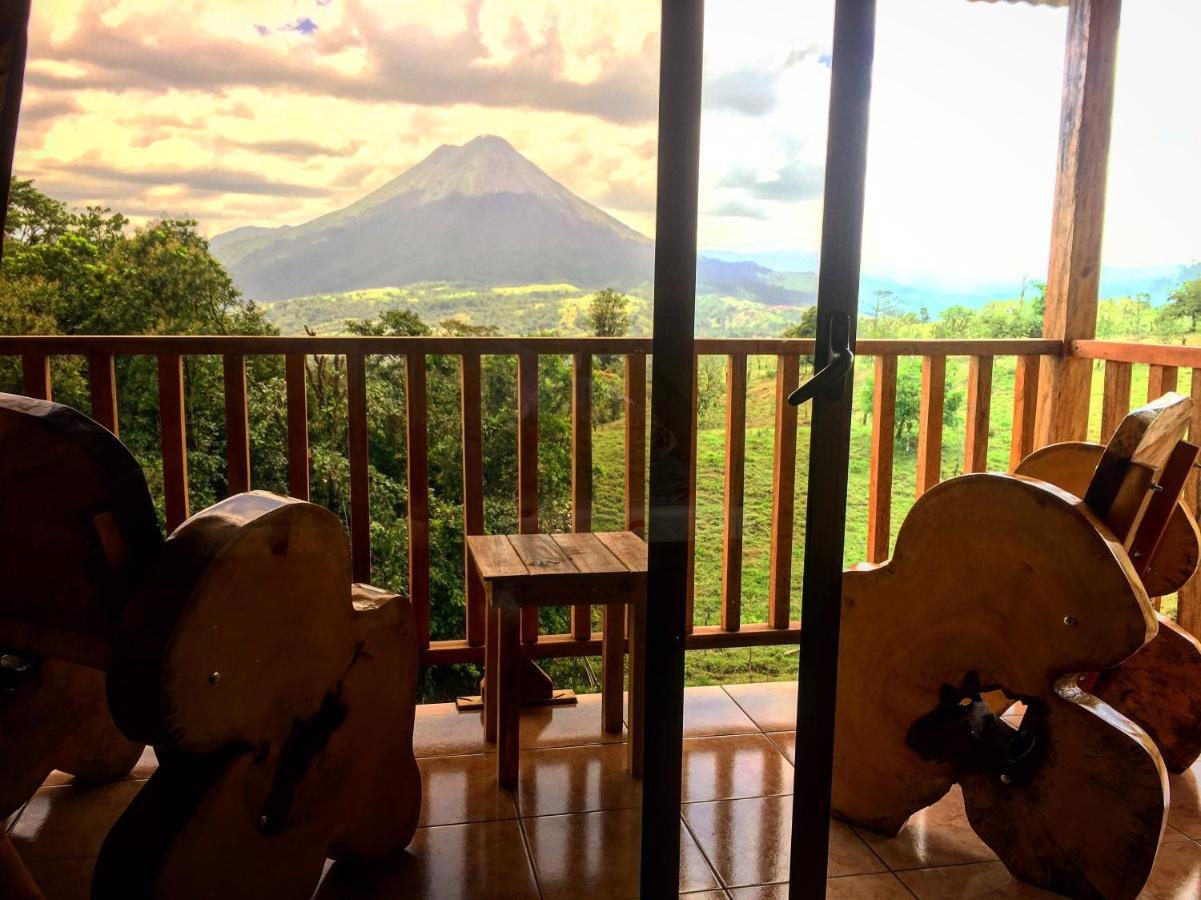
column 491, row 668
column 508, row 696
column 612, row 666
column 637, row 717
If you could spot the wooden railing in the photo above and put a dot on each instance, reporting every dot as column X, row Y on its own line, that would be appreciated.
column 733, row 631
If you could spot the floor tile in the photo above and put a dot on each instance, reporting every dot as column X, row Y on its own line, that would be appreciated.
column 770, row 704
column 459, row 789
column 441, row 730
column 67, row 821
column 785, row 741
column 566, row 726
column 596, row 855
column 64, row 879
column 748, row 841
column 1185, row 811
column 449, row 862
column 711, row 711
column 980, row 881
column 729, row 767
column 705, row 895
column 575, row 780
column 1177, row 873
column 938, row 835
column 882, row 886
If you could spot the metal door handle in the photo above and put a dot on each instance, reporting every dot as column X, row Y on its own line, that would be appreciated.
column 829, row 380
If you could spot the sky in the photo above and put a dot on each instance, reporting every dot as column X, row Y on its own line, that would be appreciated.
column 241, row 112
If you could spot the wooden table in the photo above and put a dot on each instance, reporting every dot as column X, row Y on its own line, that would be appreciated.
column 523, row 571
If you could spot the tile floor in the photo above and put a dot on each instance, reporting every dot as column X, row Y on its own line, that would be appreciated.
column 571, row 830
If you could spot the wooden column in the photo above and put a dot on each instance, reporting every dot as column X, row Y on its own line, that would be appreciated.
column 173, row 435
column 731, row 541
column 929, row 423
column 298, row 425
column 35, row 376
column 527, row 466
column 102, row 385
column 14, row 41
column 681, row 48
column 418, row 485
column 1074, row 275
column 879, row 488
column 783, row 493
column 1115, row 401
column 635, row 441
column 979, row 405
column 360, row 477
column 471, row 391
column 1025, row 406
column 237, row 425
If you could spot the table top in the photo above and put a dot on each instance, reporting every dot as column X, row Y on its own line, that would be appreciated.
column 509, row 557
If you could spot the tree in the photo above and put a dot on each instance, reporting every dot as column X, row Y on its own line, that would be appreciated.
column 806, row 328
column 883, row 304
column 1185, row 303
column 608, row 313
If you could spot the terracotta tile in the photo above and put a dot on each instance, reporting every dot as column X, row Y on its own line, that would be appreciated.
column 748, row 841
column 597, row 855
column 441, row 730
column 64, row 879
column 706, row 895
column 883, row 886
column 710, row 711
column 566, row 726
column 1177, row 873
column 771, row 705
column 980, row 881
column 450, row 862
column 938, row 835
column 785, row 741
column 1185, row 811
column 68, row 821
column 459, row 789
column 1171, row 835
column 734, row 766
column 575, row 780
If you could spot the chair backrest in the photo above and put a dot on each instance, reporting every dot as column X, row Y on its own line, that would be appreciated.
column 78, row 531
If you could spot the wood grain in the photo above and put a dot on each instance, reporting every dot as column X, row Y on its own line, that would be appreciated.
column 35, row 377
column 1161, row 380
column 635, row 443
column 581, row 470
column 929, row 423
column 879, row 489
column 360, row 484
column 1115, row 401
column 470, row 389
column 417, row 466
column 732, row 508
column 690, row 536
column 1188, row 609
column 237, row 424
column 1025, row 407
column 979, row 405
column 173, row 438
column 527, row 466
column 783, row 493
column 102, row 386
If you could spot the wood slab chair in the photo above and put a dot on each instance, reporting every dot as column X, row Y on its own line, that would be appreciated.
column 1010, row 584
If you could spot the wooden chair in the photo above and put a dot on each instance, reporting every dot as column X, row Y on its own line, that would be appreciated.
column 1011, row 584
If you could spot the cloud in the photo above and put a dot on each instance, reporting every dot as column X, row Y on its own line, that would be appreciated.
column 738, row 210
column 152, row 51
column 294, row 148
column 794, row 181
column 752, row 93
column 42, row 110
column 205, row 181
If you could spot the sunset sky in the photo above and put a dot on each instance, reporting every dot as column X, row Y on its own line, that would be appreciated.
column 267, row 112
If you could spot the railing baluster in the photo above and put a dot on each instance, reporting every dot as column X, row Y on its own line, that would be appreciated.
column 418, row 470
column 237, row 424
column 1161, row 380
column 979, row 405
column 879, row 487
column 1025, row 407
column 35, row 376
column 581, row 471
column 783, row 493
column 690, row 596
column 731, row 556
column 102, row 385
column 929, row 428
column 173, row 434
column 360, row 486
column 471, row 391
column 527, row 466
column 635, row 442
column 298, row 425
column 1115, row 401
column 1188, row 609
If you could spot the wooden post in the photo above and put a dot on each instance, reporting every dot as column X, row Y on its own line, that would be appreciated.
column 879, row 488
column 690, row 577
column 681, row 48
column 14, row 43
column 298, row 425
column 635, row 440
column 102, row 385
column 360, row 479
column 979, row 404
column 237, row 425
column 418, row 485
column 1161, row 380
column 581, row 471
column 1073, row 278
column 173, row 434
column 471, row 391
column 1025, row 407
column 830, row 446
column 783, row 493
column 1188, row 611
column 35, row 376
column 527, row 466
column 1115, row 401
column 731, row 543
column 929, row 423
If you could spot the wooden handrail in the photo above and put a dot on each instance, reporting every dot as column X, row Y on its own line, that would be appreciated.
column 1152, row 354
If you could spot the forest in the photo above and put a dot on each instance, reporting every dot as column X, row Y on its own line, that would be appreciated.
column 89, row 272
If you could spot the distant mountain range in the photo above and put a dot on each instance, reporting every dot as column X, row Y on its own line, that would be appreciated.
column 481, row 215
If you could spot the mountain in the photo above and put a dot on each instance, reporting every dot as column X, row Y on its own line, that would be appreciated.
column 480, row 215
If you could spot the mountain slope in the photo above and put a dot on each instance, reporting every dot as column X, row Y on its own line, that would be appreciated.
column 479, row 214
